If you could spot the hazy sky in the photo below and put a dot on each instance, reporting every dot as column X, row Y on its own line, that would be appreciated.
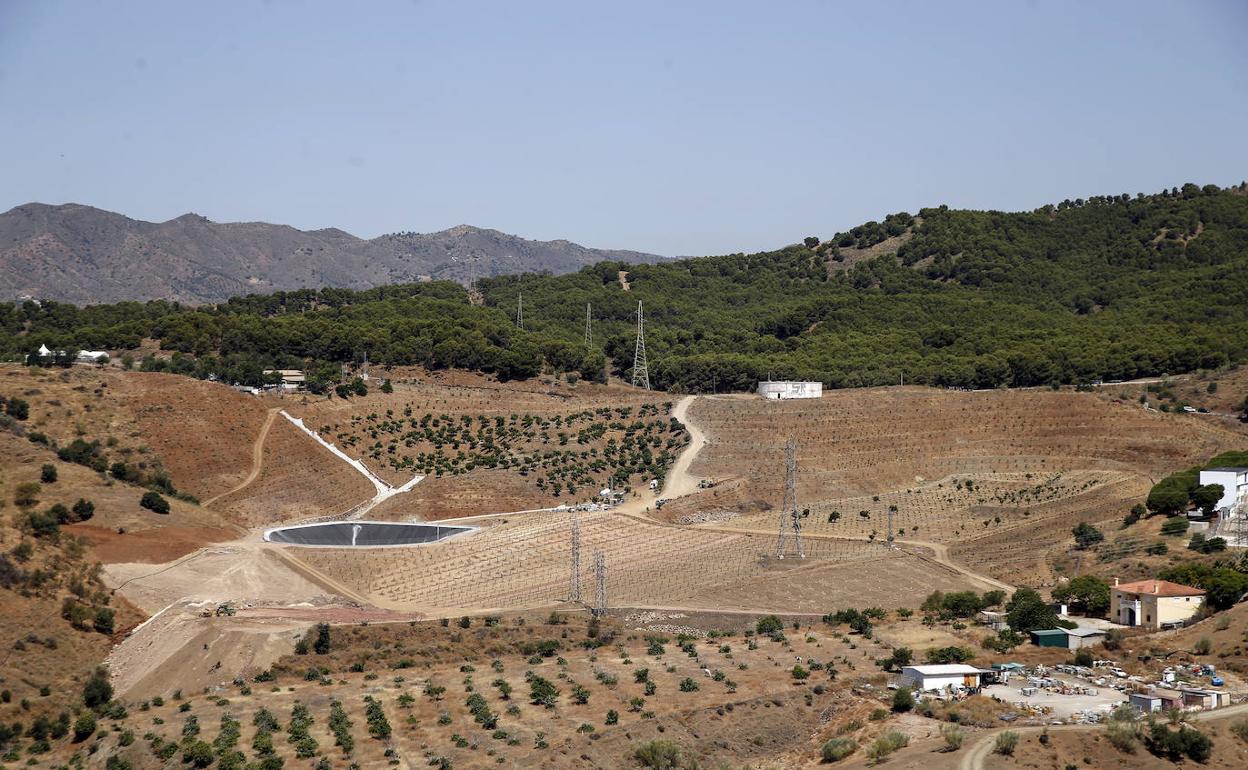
column 674, row 127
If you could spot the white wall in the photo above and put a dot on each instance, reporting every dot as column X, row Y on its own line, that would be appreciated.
column 1233, row 483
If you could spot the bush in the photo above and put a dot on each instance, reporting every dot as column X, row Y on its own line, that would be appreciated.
column 903, row 700
column 98, row 690
column 837, row 749
column 1240, row 730
column 1174, row 526
column 1005, row 743
column 886, row 744
column 84, row 726
column 768, row 625
column 542, row 692
column 1202, row 646
column 953, row 735
column 154, row 502
column 47, row 474
column 322, row 644
column 657, row 755
column 83, row 509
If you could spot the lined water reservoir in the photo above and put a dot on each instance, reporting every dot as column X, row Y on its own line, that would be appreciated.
column 361, row 534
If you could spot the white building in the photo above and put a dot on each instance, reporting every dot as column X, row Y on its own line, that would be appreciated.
column 91, row 357
column 784, row 389
column 953, row 676
column 1234, row 483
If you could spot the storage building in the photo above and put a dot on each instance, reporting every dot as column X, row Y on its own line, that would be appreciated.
column 779, row 390
column 953, row 676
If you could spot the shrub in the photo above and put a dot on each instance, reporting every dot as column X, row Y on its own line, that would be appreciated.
column 688, row 685
column 837, row 749
column 542, row 692
column 613, row 717
column 47, row 474
column 98, row 690
column 83, row 509
column 1005, row 743
column 1174, row 526
column 953, row 735
column 154, row 502
column 903, row 700
column 1202, row 646
column 657, row 755
column 769, row 624
column 84, row 726
column 799, row 673
column 1240, row 730
column 322, row 644
column 886, row 744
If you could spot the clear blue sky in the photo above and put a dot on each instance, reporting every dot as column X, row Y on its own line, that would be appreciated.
column 674, row 127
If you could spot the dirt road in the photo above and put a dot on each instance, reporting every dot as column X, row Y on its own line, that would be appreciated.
column 257, row 457
column 975, row 756
column 679, row 481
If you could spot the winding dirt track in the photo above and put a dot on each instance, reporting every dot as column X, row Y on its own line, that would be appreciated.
column 257, row 457
column 975, row 756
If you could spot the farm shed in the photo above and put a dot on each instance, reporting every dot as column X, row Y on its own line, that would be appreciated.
column 939, row 677
column 1084, row 637
column 778, row 390
column 1170, row 699
column 1147, row 704
column 994, row 620
column 1050, row 637
column 1204, row 699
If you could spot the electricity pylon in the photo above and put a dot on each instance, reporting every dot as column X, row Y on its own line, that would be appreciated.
column 641, row 374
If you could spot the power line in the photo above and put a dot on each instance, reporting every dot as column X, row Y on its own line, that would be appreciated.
column 589, row 331
column 641, row 373
column 600, row 583
column 790, row 517
column 574, row 594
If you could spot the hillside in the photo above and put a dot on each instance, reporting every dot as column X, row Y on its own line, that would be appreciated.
column 84, row 255
column 1109, row 288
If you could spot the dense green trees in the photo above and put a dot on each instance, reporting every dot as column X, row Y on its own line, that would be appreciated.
column 1109, row 288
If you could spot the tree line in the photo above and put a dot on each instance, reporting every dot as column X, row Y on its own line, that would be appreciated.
column 1111, row 287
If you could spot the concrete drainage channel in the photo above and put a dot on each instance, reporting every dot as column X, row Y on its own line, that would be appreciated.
column 361, row 534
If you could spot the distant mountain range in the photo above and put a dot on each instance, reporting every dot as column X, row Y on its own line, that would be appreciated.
column 85, row 255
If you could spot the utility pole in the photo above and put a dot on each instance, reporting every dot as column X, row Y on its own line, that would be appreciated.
column 790, row 517
column 589, row 331
column 641, row 374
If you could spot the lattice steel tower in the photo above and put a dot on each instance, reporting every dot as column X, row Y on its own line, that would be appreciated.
column 520, row 310
column 589, row 331
column 574, row 592
column 790, row 517
column 641, row 374
column 600, row 584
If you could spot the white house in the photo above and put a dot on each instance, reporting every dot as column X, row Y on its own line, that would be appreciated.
column 776, row 390
column 1234, row 483
column 953, row 676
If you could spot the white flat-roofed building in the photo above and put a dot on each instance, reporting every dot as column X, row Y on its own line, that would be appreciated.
column 941, row 676
column 1234, row 483
column 778, row 390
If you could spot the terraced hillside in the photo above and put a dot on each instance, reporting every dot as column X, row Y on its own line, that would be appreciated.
column 993, row 473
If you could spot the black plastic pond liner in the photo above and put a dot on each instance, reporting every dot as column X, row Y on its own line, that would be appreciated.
column 349, row 534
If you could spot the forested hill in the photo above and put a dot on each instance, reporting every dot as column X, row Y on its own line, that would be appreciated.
column 1106, row 288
